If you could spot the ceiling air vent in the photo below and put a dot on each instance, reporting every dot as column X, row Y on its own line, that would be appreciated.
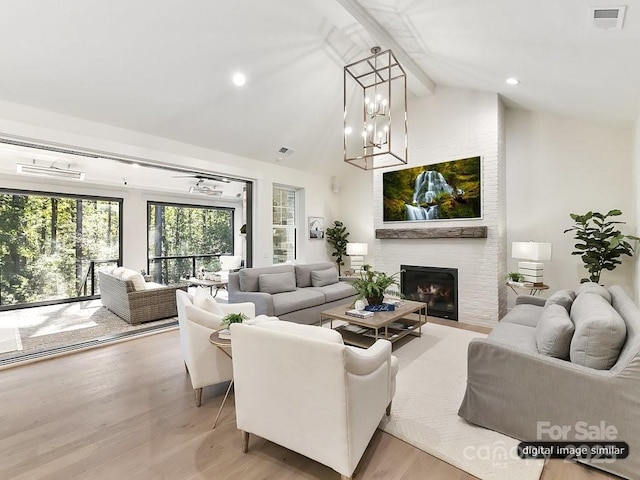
column 606, row 17
column 285, row 151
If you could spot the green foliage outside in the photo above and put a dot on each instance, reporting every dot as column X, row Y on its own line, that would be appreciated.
column 600, row 243
column 398, row 189
column 47, row 243
column 176, row 230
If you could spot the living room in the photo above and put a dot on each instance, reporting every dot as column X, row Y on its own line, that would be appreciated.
column 565, row 140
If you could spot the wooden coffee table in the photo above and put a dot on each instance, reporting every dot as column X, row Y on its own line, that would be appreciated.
column 392, row 326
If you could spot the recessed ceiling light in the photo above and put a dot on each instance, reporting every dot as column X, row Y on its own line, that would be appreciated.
column 513, row 81
column 135, row 165
column 239, row 79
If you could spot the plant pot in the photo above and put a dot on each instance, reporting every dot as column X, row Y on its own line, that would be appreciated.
column 375, row 300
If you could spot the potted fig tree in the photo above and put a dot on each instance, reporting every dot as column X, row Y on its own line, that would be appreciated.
column 337, row 237
column 599, row 242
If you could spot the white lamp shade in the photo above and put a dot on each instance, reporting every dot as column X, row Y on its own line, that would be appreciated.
column 535, row 251
column 357, row 248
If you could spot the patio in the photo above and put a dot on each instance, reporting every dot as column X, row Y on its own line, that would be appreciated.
column 31, row 333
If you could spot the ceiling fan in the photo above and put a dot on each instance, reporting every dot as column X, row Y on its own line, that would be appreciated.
column 203, row 189
column 200, row 176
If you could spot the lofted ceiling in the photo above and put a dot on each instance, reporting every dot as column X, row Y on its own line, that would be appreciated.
column 164, row 67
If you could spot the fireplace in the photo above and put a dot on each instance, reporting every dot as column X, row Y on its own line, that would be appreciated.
column 435, row 286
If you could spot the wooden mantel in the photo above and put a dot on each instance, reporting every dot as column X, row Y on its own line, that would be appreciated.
column 432, row 232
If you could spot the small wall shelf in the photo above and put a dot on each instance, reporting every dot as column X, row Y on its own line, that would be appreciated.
column 434, row 232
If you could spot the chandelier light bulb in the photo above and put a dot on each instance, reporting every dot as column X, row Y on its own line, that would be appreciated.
column 348, row 131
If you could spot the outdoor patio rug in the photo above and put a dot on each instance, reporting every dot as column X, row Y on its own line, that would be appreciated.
column 65, row 324
column 9, row 340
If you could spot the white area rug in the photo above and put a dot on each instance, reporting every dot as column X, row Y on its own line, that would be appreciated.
column 430, row 386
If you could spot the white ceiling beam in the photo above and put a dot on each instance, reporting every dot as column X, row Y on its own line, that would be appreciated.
column 377, row 31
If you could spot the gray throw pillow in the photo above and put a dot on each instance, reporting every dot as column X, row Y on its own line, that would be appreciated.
column 554, row 331
column 277, row 282
column 320, row 278
column 591, row 287
column 303, row 272
column 561, row 297
column 600, row 332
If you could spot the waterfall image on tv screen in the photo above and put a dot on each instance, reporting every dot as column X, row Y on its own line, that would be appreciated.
column 441, row 191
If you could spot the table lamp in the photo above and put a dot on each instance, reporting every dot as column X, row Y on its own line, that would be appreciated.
column 357, row 251
column 535, row 253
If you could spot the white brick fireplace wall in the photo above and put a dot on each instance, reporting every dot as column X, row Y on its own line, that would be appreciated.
column 450, row 125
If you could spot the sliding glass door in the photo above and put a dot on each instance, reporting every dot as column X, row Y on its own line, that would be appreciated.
column 52, row 244
column 186, row 239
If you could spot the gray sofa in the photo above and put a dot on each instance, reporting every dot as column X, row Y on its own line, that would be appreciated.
column 514, row 389
column 297, row 293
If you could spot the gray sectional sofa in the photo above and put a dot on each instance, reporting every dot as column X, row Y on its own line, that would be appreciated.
column 297, row 293
column 570, row 362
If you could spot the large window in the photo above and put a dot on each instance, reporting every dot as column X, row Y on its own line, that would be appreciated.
column 185, row 239
column 51, row 245
column 284, row 224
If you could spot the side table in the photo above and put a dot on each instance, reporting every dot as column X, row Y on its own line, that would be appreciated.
column 210, row 284
column 348, row 278
column 223, row 344
column 533, row 290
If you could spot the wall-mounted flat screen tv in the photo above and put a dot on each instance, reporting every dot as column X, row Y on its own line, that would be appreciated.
column 441, row 191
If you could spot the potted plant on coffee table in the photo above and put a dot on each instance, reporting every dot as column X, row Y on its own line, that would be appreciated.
column 372, row 285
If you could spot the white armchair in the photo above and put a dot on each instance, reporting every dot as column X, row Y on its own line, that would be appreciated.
column 300, row 387
column 205, row 363
column 228, row 263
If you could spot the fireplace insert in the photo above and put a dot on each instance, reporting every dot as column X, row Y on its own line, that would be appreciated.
column 435, row 286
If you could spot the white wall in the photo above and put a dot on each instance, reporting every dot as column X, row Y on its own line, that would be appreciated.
column 636, row 190
column 355, row 207
column 557, row 166
column 49, row 127
column 450, row 125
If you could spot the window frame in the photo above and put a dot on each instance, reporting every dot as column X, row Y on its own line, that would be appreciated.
column 151, row 258
column 75, row 196
column 296, row 219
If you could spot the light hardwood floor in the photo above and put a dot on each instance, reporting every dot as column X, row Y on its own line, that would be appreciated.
column 126, row 411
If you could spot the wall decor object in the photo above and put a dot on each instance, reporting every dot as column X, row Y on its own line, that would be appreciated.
column 441, row 191
column 316, row 228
